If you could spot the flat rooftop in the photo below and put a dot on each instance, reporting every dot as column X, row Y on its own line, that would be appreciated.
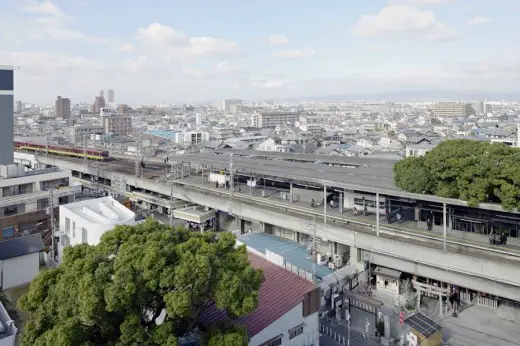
column 104, row 210
column 294, row 253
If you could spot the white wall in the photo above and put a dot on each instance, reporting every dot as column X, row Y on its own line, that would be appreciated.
column 19, row 270
column 291, row 319
column 4, row 317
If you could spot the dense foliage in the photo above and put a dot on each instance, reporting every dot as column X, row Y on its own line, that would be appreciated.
column 468, row 170
column 113, row 293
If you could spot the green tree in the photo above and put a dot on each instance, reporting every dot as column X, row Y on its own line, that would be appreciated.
column 470, row 170
column 113, row 293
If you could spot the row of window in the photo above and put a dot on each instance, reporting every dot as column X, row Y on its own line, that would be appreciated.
column 277, row 341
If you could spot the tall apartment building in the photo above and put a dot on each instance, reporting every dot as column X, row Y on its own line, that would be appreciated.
column 6, row 115
column 102, row 93
column 99, row 103
column 274, row 119
column 229, row 105
column 19, row 106
column 123, row 109
column 110, row 95
column 63, row 108
column 222, row 133
column 119, row 125
column 450, row 109
column 25, row 199
column 191, row 138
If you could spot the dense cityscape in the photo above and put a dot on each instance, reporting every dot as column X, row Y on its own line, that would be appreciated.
column 269, row 218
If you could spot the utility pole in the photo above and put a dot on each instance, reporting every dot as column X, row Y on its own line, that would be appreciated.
column 137, row 161
column 47, row 146
column 51, row 203
column 84, row 153
column 171, row 204
column 315, row 249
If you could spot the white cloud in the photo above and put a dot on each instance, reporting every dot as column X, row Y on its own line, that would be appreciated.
column 278, row 40
column 404, row 20
column 294, row 53
column 176, row 44
column 474, row 21
column 269, row 84
column 427, row 2
column 44, row 8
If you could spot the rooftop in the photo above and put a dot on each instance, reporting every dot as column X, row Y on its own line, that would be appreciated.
column 423, row 325
column 105, row 210
column 280, row 292
column 292, row 252
column 21, row 246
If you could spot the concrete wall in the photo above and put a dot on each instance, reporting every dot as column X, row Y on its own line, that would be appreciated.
column 6, row 130
column 19, row 270
column 10, row 332
column 291, row 319
column 304, row 195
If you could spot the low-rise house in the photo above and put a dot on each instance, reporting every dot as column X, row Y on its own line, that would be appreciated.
column 288, row 308
column 20, row 260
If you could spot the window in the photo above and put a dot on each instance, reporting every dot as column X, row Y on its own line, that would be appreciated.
column 294, row 332
column 67, row 226
column 277, row 341
column 84, row 235
column 11, row 210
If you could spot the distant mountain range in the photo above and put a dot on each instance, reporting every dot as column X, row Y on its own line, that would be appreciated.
column 416, row 96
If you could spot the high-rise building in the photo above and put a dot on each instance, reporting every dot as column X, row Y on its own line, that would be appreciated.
column 110, row 95
column 451, row 109
column 18, row 106
column 102, row 93
column 274, row 119
column 99, row 103
column 123, row 109
column 63, row 108
column 226, row 105
column 7, row 115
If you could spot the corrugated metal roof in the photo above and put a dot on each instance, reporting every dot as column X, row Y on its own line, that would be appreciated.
column 21, row 246
column 281, row 291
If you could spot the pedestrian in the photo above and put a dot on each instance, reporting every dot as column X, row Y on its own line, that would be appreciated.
column 491, row 238
column 497, row 239
column 216, row 184
column 429, row 223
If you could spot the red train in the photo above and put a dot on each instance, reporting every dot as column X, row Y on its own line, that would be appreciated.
column 92, row 154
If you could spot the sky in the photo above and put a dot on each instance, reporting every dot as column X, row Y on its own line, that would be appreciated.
column 180, row 51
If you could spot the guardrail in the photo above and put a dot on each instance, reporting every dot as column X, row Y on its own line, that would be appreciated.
column 365, row 226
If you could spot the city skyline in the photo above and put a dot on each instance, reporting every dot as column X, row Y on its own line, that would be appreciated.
column 198, row 51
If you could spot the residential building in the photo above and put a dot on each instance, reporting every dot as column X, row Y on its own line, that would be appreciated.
column 287, row 312
column 99, row 103
column 63, row 108
column 120, row 125
column 222, row 133
column 8, row 329
column 19, row 106
column 274, row 119
column 19, row 261
column 420, row 149
column 272, row 144
column 25, row 199
column 86, row 221
column 7, row 114
column 77, row 133
column 123, row 109
column 451, row 109
column 225, row 105
column 102, row 93
column 191, row 138
column 110, row 95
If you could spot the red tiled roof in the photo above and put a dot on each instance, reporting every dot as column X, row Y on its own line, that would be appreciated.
column 281, row 291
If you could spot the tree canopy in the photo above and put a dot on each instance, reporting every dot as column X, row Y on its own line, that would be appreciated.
column 113, row 293
column 468, row 170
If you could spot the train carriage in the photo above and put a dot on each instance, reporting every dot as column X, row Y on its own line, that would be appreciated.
column 91, row 154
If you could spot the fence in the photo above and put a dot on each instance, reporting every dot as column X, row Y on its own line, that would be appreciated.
column 298, row 271
column 479, row 300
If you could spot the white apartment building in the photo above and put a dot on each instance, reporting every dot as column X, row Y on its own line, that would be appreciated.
column 86, row 221
column 25, row 198
column 274, row 119
column 191, row 138
column 120, row 125
column 229, row 105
